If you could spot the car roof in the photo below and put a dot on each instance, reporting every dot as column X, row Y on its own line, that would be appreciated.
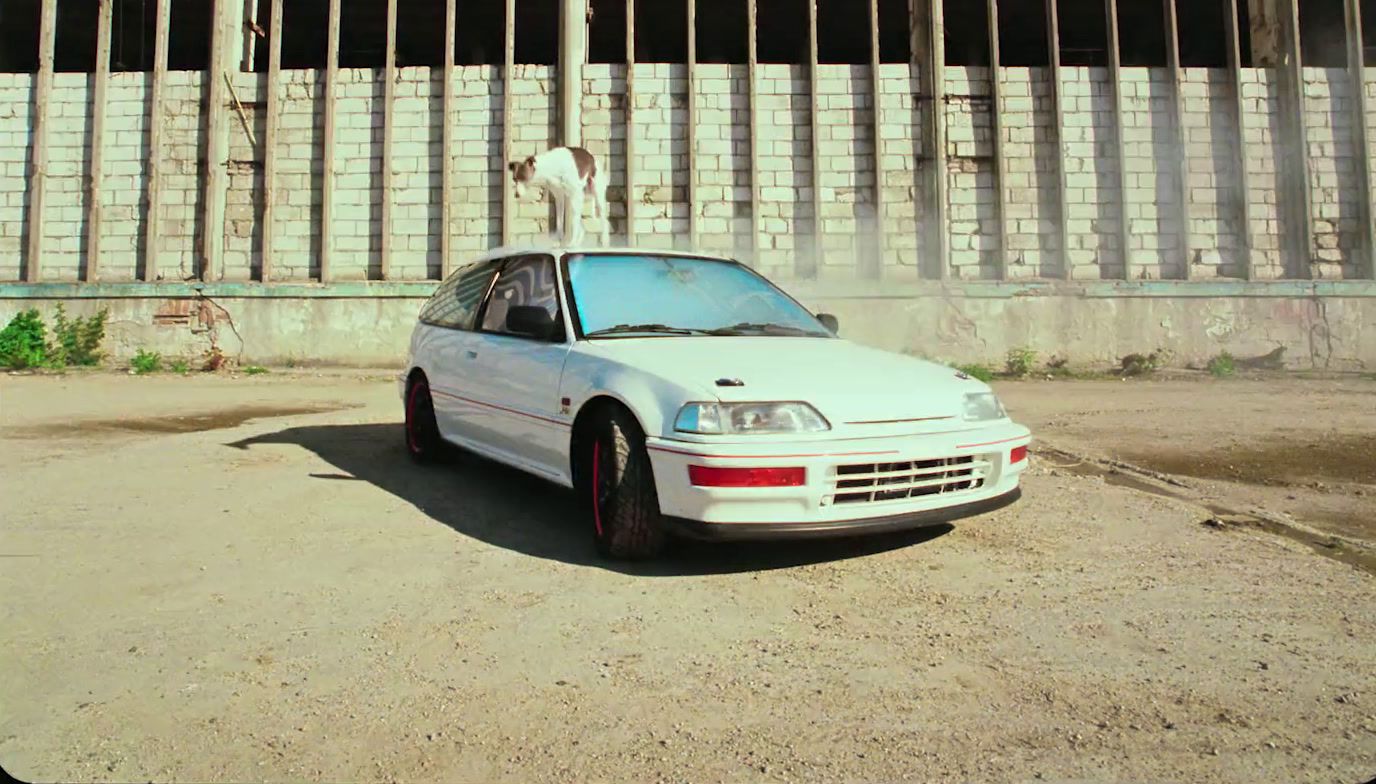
column 626, row 250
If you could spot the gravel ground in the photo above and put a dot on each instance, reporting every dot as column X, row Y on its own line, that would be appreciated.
column 244, row 579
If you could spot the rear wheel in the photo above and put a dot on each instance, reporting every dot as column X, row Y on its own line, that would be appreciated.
column 622, row 496
column 423, row 440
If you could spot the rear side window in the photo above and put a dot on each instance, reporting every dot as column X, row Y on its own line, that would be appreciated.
column 456, row 300
column 528, row 281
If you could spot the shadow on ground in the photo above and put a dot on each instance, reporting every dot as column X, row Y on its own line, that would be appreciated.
column 508, row 508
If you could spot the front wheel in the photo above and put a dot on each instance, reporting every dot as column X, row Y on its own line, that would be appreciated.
column 625, row 505
column 423, row 440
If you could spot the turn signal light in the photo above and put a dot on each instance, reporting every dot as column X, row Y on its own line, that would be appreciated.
column 1018, row 455
column 711, row 476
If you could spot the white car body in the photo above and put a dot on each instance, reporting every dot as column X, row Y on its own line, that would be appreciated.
column 899, row 452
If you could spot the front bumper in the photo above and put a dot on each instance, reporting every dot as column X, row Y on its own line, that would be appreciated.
column 850, row 486
column 694, row 529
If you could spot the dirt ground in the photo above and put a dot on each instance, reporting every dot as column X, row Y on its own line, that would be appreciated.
column 244, row 579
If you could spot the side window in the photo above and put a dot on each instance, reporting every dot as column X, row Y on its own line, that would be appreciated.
column 529, row 281
column 456, row 300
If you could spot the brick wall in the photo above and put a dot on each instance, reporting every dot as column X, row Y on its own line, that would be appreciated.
column 721, row 185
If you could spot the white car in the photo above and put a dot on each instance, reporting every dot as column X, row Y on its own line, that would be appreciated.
column 686, row 394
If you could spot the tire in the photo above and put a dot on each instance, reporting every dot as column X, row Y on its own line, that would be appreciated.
column 423, row 442
column 621, row 491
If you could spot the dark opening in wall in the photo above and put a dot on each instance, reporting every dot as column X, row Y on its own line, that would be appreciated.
column 305, row 31
column 1204, row 34
column 1022, row 33
column 722, row 33
column 76, row 38
column 420, row 33
column 131, row 35
column 19, row 36
column 1323, row 34
column 1084, row 32
column 967, row 31
column 1142, row 33
column 786, row 21
column 362, row 33
column 661, row 31
column 188, row 40
column 843, row 31
column 895, row 33
column 537, row 31
column 480, row 35
column 607, row 31
column 1368, row 31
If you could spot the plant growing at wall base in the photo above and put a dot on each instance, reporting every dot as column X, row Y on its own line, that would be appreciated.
column 255, row 370
column 1019, row 362
column 980, row 372
column 1142, row 364
column 22, row 342
column 1222, row 365
column 77, row 341
column 180, row 366
column 146, row 362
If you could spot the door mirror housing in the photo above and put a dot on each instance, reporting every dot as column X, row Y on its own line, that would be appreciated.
column 829, row 321
column 531, row 321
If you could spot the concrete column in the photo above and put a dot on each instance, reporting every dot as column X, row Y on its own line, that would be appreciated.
column 573, row 49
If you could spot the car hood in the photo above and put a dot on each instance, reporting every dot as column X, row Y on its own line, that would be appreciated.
column 852, row 385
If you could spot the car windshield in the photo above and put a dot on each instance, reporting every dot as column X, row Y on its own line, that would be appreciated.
column 632, row 295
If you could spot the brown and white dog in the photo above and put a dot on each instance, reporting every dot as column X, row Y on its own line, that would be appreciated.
column 569, row 174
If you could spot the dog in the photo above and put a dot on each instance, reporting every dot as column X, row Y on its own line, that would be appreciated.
column 569, row 174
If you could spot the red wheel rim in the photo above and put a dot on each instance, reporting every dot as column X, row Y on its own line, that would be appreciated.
column 412, row 442
column 597, row 486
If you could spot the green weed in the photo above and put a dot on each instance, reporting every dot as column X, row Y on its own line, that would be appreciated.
column 180, row 366
column 255, row 370
column 145, row 362
column 77, row 341
column 981, row 372
column 1222, row 365
column 1019, row 362
column 23, row 343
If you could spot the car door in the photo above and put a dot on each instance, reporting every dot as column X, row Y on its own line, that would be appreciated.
column 446, row 347
column 516, row 378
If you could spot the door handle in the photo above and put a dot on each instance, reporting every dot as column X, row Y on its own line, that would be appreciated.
column 472, row 354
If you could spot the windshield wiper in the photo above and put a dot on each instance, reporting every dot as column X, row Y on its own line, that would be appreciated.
column 656, row 329
column 765, row 328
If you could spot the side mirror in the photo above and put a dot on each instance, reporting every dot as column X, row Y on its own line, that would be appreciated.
column 531, row 321
column 829, row 321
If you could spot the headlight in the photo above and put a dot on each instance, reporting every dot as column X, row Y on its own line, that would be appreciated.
column 983, row 407
column 749, row 418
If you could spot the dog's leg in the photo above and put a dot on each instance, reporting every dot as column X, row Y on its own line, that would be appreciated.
column 599, row 200
column 576, row 218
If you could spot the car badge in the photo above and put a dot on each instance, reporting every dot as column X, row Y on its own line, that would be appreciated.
column 963, row 376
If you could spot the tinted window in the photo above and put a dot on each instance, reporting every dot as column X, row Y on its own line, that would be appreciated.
column 456, row 300
column 524, row 281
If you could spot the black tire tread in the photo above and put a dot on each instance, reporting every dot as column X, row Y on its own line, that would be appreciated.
column 632, row 526
column 431, row 445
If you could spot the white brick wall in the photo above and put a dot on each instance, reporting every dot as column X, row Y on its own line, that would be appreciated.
column 846, row 177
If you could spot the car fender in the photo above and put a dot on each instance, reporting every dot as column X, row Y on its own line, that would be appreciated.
column 653, row 400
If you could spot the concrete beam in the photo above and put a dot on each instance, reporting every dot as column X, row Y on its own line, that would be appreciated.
column 162, row 10
column 630, row 122
column 1115, row 78
column 388, row 131
column 274, row 114
column 873, row 267
column 331, row 119
column 1239, row 109
column 447, row 144
column 692, row 118
column 508, row 119
column 217, row 142
column 38, row 168
column 929, row 57
column 1361, row 134
column 996, row 137
column 573, row 52
column 1182, row 163
column 808, row 265
column 1297, row 197
column 94, row 198
column 1053, row 37
column 752, row 65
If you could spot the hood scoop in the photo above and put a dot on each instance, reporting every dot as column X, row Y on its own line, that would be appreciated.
column 730, row 382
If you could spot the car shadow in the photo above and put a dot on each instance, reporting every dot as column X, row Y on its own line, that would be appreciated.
column 514, row 510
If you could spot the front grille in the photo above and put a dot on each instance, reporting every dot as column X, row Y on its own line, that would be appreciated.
column 872, row 482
